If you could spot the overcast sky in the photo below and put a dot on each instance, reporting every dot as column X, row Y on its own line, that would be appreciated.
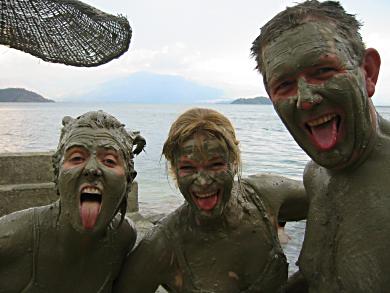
column 207, row 41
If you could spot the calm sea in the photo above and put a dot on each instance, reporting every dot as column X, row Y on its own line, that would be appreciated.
column 265, row 144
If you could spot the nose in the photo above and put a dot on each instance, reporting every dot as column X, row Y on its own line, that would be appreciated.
column 306, row 97
column 203, row 178
column 92, row 168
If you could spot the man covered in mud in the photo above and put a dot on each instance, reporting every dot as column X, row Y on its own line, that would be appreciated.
column 76, row 244
column 320, row 78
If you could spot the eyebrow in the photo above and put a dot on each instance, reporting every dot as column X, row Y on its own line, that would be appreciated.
column 73, row 146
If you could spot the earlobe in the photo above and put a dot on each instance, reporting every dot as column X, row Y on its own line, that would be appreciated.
column 371, row 65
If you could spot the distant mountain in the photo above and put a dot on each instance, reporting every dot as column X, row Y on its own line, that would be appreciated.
column 253, row 101
column 21, row 96
column 146, row 87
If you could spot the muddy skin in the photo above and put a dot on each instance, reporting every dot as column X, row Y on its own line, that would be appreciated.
column 342, row 95
column 224, row 244
column 78, row 243
column 322, row 95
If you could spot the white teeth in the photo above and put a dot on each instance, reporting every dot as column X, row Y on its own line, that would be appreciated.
column 204, row 195
column 321, row 120
column 92, row 190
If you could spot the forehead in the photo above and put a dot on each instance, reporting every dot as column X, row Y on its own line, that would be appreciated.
column 203, row 145
column 302, row 47
column 92, row 138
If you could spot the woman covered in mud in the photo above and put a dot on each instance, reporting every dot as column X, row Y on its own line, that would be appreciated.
column 224, row 237
column 78, row 243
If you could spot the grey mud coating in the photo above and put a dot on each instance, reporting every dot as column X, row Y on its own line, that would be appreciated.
column 347, row 234
column 230, row 245
column 47, row 249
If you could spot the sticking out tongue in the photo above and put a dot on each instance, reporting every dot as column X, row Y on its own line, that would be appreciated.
column 207, row 203
column 325, row 135
column 89, row 211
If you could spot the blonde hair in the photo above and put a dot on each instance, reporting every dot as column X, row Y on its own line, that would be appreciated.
column 202, row 120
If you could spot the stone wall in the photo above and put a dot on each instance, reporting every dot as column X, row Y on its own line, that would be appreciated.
column 26, row 180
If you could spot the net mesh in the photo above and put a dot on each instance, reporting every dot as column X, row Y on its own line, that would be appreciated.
column 63, row 31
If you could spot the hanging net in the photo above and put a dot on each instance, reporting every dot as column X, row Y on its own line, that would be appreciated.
column 63, row 31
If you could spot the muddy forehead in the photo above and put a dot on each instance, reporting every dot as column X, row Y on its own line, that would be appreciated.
column 201, row 146
column 93, row 138
column 303, row 47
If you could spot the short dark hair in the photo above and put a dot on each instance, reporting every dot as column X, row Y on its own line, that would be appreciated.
column 347, row 26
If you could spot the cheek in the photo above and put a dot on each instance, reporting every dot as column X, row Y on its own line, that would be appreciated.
column 68, row 174
column 184, row 182
column 120, row 171
column 114, row 176
column 285, row 108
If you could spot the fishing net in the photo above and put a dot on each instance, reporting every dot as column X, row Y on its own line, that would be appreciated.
column 63, row 31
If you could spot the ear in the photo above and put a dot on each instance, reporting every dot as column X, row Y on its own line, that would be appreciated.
column 371, row 65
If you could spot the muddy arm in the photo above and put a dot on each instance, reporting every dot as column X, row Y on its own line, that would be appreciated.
column 16, row 251
column 147, row 266
column 287, row 197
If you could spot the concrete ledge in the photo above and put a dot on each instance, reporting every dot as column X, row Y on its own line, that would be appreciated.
column 23, row 196
column 21, row 168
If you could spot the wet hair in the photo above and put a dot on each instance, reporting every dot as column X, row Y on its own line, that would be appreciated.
column 346, row 25
column 202, row 121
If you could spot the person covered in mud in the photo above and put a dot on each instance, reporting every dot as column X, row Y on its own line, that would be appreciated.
column 320, row 78
column 224, row 237
column 78, row 243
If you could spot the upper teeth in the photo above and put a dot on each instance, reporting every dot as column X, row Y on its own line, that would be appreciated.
column 204, row 195
column 321, row 120
column 90, row 190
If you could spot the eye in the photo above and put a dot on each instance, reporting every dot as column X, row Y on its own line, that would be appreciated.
column 325, row 72
column 76, row 158
column 110, row 161
column 284, row 87
column 186, row 168
column 217, row 165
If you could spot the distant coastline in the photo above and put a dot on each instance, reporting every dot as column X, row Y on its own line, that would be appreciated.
column 20, row 95
column 253, row 101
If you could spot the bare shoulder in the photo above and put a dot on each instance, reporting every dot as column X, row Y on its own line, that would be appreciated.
column 16, row 231
column 148, row 265
column 314, row 175
column 127, row 234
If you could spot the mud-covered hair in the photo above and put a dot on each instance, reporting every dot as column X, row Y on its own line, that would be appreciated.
column 202, row 121
column 346, row 25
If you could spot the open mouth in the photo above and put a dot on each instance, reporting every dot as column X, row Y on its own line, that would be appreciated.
column 206, row 200
column 90, row 206
column 325, row 130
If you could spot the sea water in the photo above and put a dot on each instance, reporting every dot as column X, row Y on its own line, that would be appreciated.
column 265, row 143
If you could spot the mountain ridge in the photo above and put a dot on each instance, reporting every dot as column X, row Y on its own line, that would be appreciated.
column 147, row 87
column 21, row 95
column 252, row 101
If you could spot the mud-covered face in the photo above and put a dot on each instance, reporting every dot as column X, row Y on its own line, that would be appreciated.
column 92, row 179
column 204, row 175
column 319, row 92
